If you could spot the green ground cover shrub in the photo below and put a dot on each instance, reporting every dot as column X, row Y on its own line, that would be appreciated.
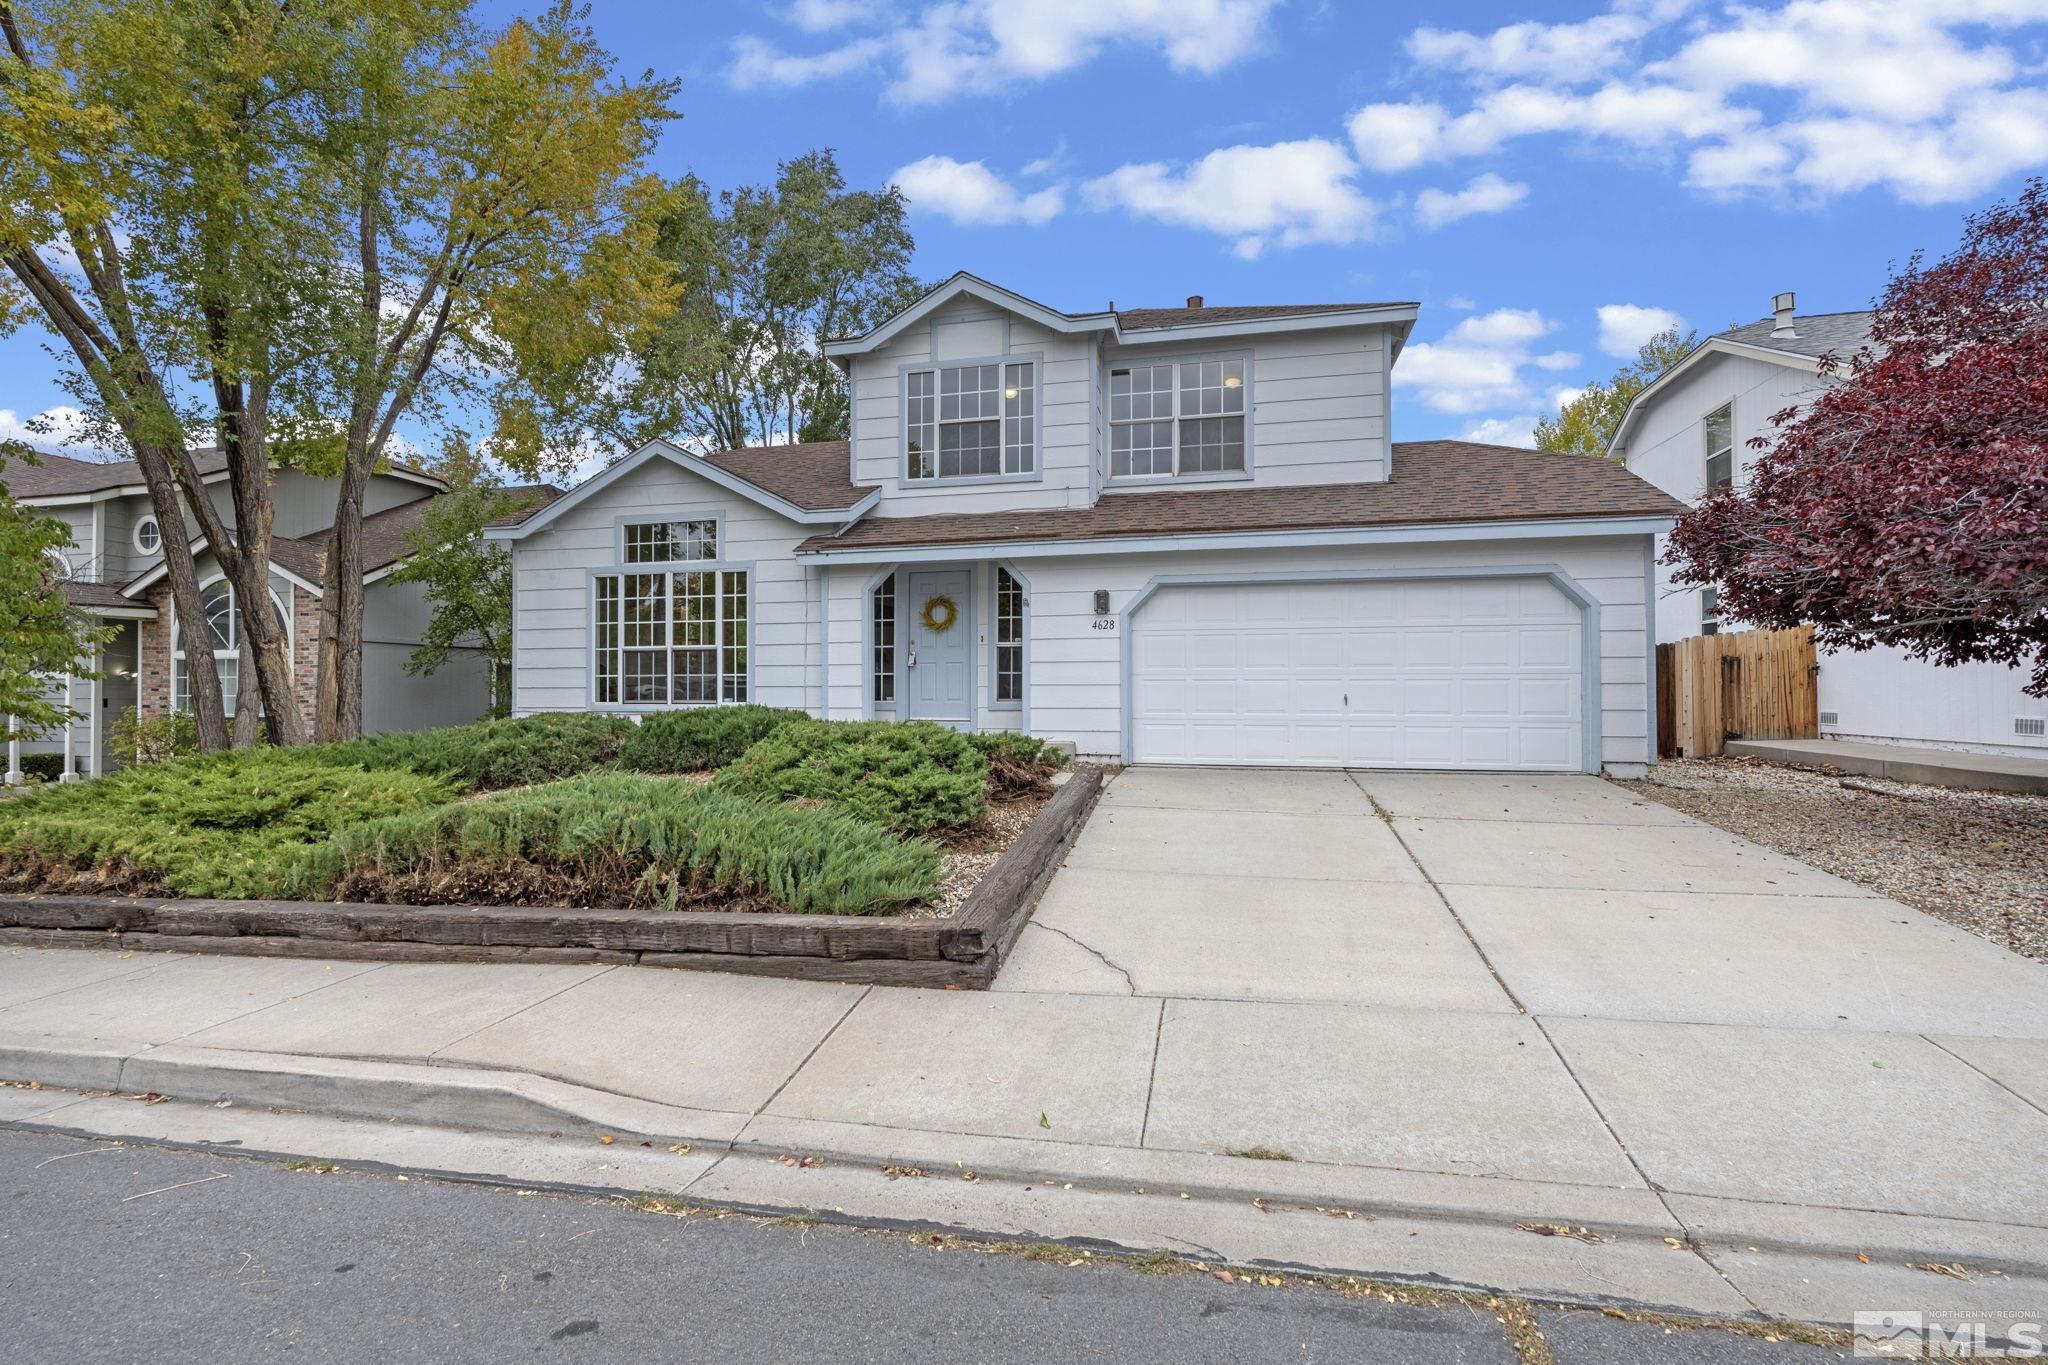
column 492, row 754
column 904, row 777
column 218, row 825
column 702, row 737
column 621, row 839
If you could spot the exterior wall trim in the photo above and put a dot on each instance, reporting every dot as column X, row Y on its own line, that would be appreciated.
column 1589, row 627
column 1446, row 533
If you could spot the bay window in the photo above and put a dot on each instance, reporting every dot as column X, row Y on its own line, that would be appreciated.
column 670, row 637
column 1173, row 419
column 971, row 421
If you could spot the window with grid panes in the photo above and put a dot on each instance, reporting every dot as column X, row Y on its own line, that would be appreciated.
column 971, row 421
column 1175, row 419
column 677, row 638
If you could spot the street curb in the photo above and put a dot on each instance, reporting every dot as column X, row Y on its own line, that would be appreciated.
column 521, row 1104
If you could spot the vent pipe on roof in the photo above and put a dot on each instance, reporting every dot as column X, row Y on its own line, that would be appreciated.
column 1194, row 300
column 1781, row 314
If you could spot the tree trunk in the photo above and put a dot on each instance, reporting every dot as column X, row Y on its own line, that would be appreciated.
column 194, row 636
column 245, row 556
column 339, row 701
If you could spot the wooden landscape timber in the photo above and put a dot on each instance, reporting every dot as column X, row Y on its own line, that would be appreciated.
column 959, row 951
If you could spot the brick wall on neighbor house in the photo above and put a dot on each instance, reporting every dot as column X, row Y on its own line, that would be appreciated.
column 153, row 680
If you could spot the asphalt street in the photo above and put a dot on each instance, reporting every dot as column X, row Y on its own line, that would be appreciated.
column 117, row 1254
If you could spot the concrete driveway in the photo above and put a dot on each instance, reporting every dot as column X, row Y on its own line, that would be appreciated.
column 1547, row 976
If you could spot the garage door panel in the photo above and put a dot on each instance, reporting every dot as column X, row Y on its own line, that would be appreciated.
column 1438, row 674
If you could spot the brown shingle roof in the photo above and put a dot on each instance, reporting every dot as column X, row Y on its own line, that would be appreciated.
column 813, row 475
column 1433, row 481
column 1152, row 319
column 88, row 596
column 62, row 476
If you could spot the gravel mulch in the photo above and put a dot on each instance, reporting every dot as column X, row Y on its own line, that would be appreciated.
column 1977, row 860
column 973, row 851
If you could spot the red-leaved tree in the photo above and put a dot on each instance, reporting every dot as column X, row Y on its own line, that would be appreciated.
column 1908, row 504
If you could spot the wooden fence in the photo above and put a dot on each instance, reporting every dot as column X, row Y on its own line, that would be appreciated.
column 1753, row 684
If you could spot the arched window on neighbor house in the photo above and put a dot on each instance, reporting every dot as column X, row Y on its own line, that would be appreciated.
column 217, row 600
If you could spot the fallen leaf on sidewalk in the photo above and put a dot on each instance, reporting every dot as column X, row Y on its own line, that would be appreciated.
column 681, row 1149
column 1044, row 1122
column 1224, row 1276
column 607, row 1139
column 902, row 1172
column 808, row 1163
column 970, row 1177
column 1674, row 1244
column 149, row 1097
column 1954, row 1271
column 1346, row 1213
column 1862, row 1258
column 1586, row 1235
column 1262, row 1206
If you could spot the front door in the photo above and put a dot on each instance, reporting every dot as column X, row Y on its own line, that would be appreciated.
column 940, row 666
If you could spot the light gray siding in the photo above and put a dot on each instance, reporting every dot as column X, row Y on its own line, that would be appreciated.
column 1074, row 671
column 551, row 576
column 395, row 616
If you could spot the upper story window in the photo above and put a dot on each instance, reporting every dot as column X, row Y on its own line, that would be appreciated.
column 1710, row 611
column 61, row 570
column 149, row 537
column 1720, row 440
column 671, row 542
column 1177, row 418
column 971, row 421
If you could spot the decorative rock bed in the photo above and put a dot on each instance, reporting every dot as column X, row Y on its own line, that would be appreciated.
column 958, row 951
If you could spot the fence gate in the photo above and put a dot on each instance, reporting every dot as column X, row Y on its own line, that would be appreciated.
column 1752, row 684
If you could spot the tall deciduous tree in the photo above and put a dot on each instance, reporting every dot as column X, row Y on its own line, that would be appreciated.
column 1586, row 424
column 40, row 636
column 501, row 239
column 768, row 274
column 1908, row 504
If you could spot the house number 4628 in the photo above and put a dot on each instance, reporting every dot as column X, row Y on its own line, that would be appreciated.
column 1105, row 623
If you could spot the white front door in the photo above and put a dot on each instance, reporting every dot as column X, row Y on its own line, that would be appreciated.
column 1480, row 673
column 939, row 669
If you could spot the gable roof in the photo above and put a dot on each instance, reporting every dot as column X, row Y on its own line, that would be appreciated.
column 1434, row 482
column 63, row 477
column 1815, row 335
column 807, row 483
column 1153, row 319
column 1131, row 325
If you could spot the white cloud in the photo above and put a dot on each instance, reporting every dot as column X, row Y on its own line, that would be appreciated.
column 1624, row 327
column 1503, row 431
column 62, row 428
column 822, row 16
column 1805, row 101
column 1552, row 51
column 757, row 64
column 970, row 194
column 1486, row 193
column 1478, row 366
column 1288, row 194
column 991, row 46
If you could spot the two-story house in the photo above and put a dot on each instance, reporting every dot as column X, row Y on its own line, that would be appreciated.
column 1161, row 535
column 1690, row 431
column 113, row 570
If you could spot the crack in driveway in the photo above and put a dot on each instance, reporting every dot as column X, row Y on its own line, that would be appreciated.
column 1096, row 953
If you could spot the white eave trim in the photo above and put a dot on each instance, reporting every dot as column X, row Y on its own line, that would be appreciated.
column 972, row 286
column 1805, row 364
column 1450, row 532
column 138, row 612
column 126, row 490
column 1293, row 322
column 695, row 464
column 154, row 575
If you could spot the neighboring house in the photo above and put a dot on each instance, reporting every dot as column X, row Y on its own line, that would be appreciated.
column 1178, row 535
column 114, row 571
column 1690, row 431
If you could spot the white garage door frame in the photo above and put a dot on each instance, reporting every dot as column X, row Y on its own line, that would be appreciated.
column 1574, row 591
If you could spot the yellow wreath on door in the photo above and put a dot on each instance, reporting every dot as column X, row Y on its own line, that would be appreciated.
column 941, row 613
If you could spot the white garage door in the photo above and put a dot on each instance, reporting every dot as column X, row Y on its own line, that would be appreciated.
column 1443, row 673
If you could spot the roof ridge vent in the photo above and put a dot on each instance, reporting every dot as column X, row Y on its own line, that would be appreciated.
column 1781, row 316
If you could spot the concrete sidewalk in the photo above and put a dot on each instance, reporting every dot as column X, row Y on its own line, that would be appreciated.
column 1907, row 763
column 1455, row 1004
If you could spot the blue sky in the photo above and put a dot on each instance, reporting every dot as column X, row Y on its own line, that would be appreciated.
column 1550, row 183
